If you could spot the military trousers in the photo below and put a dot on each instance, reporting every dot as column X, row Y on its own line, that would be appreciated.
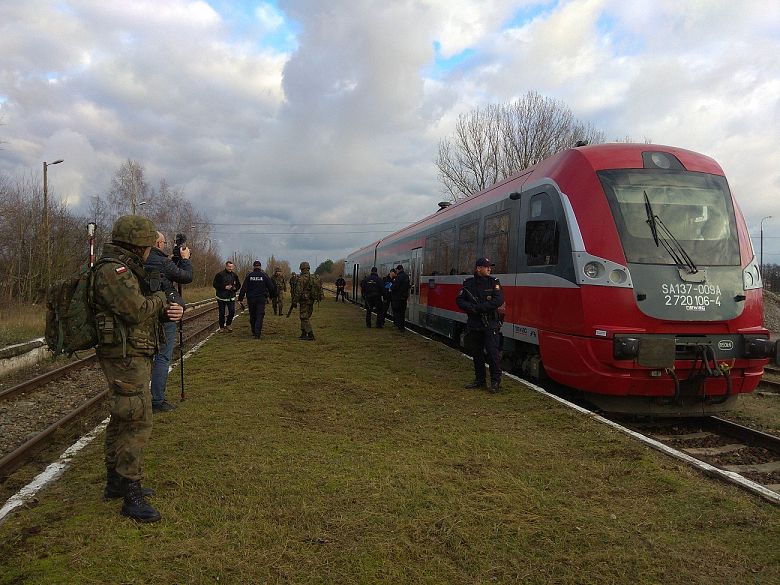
column 278, row 303
column 130, row 426
column 306, row 309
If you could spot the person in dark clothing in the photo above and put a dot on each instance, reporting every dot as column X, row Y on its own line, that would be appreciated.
column 399, row 295
column 340, row 286
column 258, row 288
column 227, row 284
column 162, row 269
column 371, row 287
column 480, row 298
column 388, row 286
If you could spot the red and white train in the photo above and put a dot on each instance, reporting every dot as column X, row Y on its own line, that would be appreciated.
column 627, row 269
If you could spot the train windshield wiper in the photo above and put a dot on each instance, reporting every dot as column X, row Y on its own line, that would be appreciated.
column 671, row 244
column 651, row 219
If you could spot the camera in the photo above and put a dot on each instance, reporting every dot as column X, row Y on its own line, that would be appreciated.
column 180, row 240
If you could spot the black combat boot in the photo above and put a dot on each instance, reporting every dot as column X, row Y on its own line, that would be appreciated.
column 310, row 336
column 495, row 387
column 303, row 336
column 135, row 506
column 116, row 486
column 475, row 384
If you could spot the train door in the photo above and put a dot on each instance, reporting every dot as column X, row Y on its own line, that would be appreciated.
column 355, row 283
column 415, row 269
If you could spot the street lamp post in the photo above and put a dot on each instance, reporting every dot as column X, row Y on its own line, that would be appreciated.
column 761, row 258
column 46, row 216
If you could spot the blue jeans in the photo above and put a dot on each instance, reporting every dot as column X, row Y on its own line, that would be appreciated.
column 162, row 361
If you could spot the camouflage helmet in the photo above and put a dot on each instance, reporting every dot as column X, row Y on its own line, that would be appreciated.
column 134, row 230
column 304, row 266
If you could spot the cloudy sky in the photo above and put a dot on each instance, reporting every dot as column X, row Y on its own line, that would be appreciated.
column 293, row 112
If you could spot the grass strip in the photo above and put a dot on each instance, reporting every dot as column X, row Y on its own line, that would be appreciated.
column 359, row 458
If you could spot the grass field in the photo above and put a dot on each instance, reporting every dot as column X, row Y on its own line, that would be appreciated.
column 359, row 458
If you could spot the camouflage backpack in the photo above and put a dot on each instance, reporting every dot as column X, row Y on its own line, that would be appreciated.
column 317, row 293
column 70, row 319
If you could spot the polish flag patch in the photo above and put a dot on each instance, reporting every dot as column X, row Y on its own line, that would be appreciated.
column 121, row 270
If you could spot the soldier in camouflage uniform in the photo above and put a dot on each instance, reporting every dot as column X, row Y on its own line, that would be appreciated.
column 281, row 288
column 293, row 283
column 128, row 317
column 308, row 290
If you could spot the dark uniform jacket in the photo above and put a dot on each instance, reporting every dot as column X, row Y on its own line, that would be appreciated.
column 480, row 298
column 257, row 285
column 127, row 312
column 223, row 279
column 160, row 267
column 371, row 286
column 401, row 286
column 341, row 283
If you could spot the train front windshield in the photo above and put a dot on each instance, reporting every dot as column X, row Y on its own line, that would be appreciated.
column 695, row 208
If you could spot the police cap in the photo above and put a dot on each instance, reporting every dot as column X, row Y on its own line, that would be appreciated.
column 484, row 262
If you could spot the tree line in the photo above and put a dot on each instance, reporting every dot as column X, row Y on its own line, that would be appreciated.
column 29, row 261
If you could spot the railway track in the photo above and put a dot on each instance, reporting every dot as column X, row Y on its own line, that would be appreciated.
column 36, row 440
column 722, row 444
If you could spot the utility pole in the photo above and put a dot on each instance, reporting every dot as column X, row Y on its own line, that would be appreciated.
column 46, row 218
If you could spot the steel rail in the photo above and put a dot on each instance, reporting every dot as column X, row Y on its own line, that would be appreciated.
column 57, row 373
column 750, row 436
column 13, row 459
column 39, row 381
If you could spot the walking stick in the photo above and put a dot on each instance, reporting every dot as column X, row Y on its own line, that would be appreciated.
column 181, row 349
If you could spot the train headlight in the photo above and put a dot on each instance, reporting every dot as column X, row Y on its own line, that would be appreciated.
column 618, row 276
column 593, row 269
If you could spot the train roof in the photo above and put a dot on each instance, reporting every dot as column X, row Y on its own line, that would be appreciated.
column 598, row 157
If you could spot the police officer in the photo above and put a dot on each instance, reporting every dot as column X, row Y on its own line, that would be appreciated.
column 371, row 287
column 281, row 287
column 480, row 298
column 341, row 284
column 257, row 287
column 161, row 268
column 127, row 317
column 399, row 295
column 307, row 291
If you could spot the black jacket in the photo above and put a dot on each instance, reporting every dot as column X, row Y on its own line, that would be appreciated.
column 257, row 285
column 371, row 286
column 480, row 298
column 159, row 266
column 401, row 286
column 223, row 279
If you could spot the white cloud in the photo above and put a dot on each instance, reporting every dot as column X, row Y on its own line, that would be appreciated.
column 345, row 125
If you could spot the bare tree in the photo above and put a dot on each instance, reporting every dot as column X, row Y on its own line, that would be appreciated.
column 495, row 141
column 128, row 189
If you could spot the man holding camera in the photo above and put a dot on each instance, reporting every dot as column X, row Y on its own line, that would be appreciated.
column 162, row 268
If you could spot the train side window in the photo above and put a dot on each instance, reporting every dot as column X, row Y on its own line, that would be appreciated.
column 446, row 255
column 541, row 233
column 541, row 242
column 431, row 252
column 467, row 248
column 495, row 242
